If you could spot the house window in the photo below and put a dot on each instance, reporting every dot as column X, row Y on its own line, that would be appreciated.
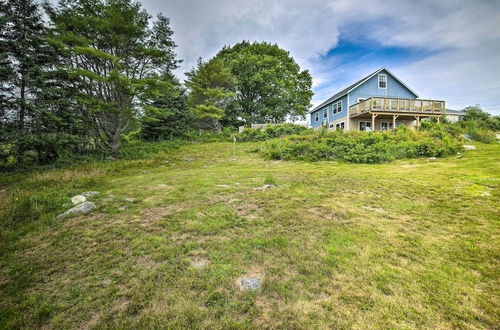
column 365, row 126
column 382, row 81
column 332, row 125
column 337, row 107
column 316, row 116
column 384, row 126
column 325, row 113
column 340, row 125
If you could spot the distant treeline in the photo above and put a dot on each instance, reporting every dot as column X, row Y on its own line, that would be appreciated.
column 97, row 74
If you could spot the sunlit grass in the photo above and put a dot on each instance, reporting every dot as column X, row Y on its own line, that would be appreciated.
column 400, row 245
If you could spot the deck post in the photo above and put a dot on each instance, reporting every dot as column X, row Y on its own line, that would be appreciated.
column 418, row 121
column 374, row 115
column 438, row 117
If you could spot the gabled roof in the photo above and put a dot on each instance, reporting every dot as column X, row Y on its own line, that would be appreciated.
column 348, row 89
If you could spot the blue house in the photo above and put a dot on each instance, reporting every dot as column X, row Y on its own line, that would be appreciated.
column 379, row 101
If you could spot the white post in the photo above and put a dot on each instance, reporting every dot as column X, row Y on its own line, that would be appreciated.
column 234, row 147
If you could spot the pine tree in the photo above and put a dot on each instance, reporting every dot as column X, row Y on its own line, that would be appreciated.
column 210, row 85
column 166, row 117
column 24, row 57
column 118, row 59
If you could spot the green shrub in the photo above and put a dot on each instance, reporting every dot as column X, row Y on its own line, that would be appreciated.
column 271, row 132
column 363, row 147
column 479, row 133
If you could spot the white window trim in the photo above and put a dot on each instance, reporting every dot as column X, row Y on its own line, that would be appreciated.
column 366, row 122
column 337, row 107
column 339, row 123
column 390, row 123
column 385, row 76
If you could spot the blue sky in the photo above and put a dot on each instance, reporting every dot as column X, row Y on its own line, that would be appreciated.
column 442, row 49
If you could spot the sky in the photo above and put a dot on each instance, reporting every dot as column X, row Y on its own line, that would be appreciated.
column 443, row 49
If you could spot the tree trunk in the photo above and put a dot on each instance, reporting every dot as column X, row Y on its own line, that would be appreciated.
column 22, row 108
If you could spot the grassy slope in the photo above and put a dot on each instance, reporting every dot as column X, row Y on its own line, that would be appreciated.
column 401, row 245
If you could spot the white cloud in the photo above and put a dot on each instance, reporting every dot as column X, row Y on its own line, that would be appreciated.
column 463, row 36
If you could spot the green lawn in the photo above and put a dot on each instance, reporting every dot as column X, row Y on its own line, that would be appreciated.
column 410, row 244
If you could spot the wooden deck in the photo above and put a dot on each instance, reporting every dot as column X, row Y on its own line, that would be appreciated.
column 396, row 108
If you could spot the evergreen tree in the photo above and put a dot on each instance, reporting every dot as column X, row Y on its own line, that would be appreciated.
column 24, row 57
column 118, row 59
column 210, row 85
column 166, row 117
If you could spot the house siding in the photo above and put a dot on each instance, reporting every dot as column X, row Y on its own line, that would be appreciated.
column 331, row 117
column 370, row 89
column 366, row 90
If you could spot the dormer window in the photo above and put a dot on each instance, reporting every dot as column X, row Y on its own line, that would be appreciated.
column 382, row 81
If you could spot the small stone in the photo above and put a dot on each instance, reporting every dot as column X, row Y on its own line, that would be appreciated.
column 163, row 185
column 467, row 137
column 130, row 199
column 66, row 204
column 199, row 263
column 82, row 208
column 122, row 208
column 189, row 159
column 78, row 199
column 264, row 187
column 89, row 194
column 223, row 185
column 432, row 158
column 469, row 147
column 250, row 283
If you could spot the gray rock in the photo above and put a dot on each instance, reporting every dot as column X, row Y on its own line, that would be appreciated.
column 469, row 147
column 163, row 185
column 123, row 208
column 432, row 158
column 130, row 199
column 189, row 159
column 467, row 137
column 250, row 283
column 265, row 187
column 82, row 208
column 199, row 263
column 78, row 199
column 89, row 194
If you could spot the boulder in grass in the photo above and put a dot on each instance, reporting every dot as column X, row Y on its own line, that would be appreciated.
column 265, row 187
column 250, row 283
column 82, row 208
column 78, row 199
column 89, row 194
